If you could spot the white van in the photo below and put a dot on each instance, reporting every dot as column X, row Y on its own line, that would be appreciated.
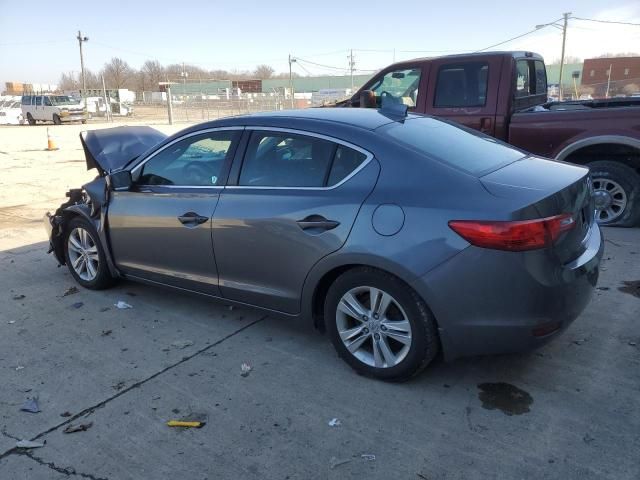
column 52, row 108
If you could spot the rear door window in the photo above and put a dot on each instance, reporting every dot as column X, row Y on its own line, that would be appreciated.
column 38, row 101
column 462, row 85
column 461, row 148
column 283, row 159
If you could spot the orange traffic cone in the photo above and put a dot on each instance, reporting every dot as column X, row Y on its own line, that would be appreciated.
column 51, row 144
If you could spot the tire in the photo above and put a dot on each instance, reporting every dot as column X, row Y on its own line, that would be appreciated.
column 617, row 193
column 56, row 119
column 98, row 277
column 83, row 122
column 405, row 305
column 30, row 119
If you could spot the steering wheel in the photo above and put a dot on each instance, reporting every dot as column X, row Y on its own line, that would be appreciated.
column 197, row 174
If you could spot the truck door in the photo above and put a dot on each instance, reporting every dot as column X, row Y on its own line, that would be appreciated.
column 465, row 91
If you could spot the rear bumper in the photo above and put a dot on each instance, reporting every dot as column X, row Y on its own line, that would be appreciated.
column 490, row 302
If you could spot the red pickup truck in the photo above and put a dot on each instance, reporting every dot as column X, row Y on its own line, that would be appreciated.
column 504, row 94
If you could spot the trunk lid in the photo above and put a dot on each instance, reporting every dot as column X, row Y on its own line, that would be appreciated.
column 547, row 188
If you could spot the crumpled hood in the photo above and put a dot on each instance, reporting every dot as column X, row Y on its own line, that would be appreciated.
column 112, row 148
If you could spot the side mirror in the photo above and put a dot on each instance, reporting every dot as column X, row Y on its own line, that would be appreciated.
column 120, row 180
column 367, row 99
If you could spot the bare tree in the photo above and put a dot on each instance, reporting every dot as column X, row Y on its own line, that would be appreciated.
column 151, row 73
column 614, row 55
column 263, row 71
column 68, row 81
column 117, row 73
column 568, row 59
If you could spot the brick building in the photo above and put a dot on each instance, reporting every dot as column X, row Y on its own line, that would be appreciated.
column 624, row 71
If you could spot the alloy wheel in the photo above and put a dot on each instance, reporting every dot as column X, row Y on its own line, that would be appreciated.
column 83, row 254
column 373, row 327
column 610, row 199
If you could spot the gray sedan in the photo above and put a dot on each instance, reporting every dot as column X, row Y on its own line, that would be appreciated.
column 401, row 236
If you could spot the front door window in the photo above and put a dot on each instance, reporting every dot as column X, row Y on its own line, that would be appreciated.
column 398, row 86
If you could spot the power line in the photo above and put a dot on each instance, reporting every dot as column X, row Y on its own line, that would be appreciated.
column 518, row 36
column 605, row 21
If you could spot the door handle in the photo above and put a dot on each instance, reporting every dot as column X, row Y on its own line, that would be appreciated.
column 191, row 219
column 317, row 222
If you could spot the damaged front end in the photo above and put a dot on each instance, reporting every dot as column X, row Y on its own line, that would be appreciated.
column 88, row 202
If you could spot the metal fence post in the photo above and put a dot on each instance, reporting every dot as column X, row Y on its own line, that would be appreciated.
column 169, row 105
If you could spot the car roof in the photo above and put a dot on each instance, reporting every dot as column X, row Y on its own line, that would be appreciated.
column 363, row 118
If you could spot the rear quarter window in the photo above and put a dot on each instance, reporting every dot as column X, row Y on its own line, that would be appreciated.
column 461, row 148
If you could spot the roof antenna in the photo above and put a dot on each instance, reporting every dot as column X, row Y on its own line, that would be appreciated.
column 392, row 109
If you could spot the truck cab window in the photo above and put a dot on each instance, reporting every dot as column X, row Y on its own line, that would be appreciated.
column 398, row 86
column 461, row 85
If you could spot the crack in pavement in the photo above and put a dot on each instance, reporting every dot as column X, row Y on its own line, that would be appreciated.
column 68, row 471
column 89, row 410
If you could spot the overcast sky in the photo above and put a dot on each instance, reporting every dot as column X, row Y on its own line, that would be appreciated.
column 37, row 38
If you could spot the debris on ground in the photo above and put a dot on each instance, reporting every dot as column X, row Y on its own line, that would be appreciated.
column 119, row 386
column 106, row 333
column 31, row 405
column 11, row 322
column 246, row 369
column 587, row 438
column 29, row 444
column 336, row 462
column 77, row 305
column 19, row 367
column 633, row 344
column 182, row 344
column 368, row 457
column 81, row 427
column 104, row 309
column 185, row 424
column 632, row 288
column 65, row 414
column 334, row 422
column 122, row 305
column 70, row 291
column 18, row 297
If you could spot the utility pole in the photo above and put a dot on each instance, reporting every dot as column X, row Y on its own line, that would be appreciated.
column 352, row 65
column 609, row 80
column 81, row 40
column 291, row 60
column 564, row 40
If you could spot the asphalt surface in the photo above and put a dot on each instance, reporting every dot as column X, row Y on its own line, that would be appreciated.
column 127, row 372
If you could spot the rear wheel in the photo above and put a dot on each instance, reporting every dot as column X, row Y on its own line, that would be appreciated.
column 30, row 119
column 85, row 257
column 616, row 192
column 56, row 119
column 379, row 325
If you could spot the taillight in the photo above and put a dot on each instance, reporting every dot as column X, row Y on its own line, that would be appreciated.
column 514, row 236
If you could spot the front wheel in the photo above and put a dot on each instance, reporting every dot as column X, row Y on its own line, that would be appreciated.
column 379, row 325
column 56, row 119
column 30, row 119
column 85, row 257
column 616, row 190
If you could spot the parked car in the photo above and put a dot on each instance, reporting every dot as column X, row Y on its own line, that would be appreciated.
column 53, row 108
column 401, row 235
column 11, row 114
column 504, row 94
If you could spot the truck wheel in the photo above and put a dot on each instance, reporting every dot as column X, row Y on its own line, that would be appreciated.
column 56, row 119
column 30, row 119
column 617, row 193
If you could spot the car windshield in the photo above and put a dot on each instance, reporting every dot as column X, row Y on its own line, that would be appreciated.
column 462, row 148
column 62, row 100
